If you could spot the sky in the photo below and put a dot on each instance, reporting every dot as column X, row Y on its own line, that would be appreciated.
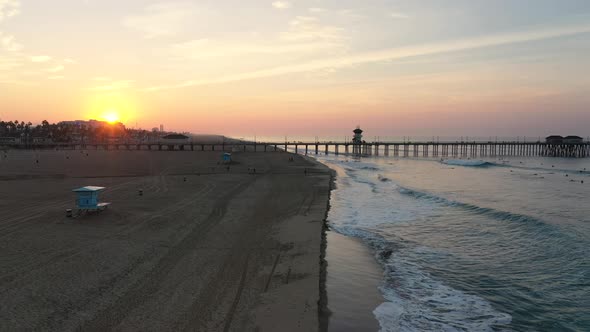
column 301, row 67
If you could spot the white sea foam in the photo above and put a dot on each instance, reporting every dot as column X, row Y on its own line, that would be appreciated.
column 415, row 300
column 419, row 302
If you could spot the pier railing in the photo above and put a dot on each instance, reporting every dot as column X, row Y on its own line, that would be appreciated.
column 397, row 149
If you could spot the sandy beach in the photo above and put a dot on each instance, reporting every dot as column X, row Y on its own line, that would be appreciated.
column 204, row 248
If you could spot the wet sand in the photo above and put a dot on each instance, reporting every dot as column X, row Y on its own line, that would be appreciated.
column 219, row 251
column 353, row 278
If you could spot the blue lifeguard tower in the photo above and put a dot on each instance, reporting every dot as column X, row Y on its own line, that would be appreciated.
column 226, row 157
column 87, row 199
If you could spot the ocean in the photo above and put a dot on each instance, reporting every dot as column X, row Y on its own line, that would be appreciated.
column 467, row 245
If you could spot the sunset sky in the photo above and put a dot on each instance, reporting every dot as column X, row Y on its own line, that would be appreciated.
column 301, row 67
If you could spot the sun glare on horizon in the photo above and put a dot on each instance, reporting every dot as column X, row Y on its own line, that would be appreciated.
column 112, row 108
column 111, row 116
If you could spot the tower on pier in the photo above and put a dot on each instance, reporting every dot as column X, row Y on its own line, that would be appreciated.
column 357, row 141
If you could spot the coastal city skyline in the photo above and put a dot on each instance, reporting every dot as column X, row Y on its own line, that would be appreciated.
column 307, row 68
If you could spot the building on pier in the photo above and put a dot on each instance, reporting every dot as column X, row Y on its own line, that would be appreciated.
column 573, row 139
column 176, row 139
column 554, row 139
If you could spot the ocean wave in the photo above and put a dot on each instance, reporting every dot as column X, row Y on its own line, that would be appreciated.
column 369, row 168
column 418, row 302
column 508, row 164
column 423, row 286
column 352, row 173
column 490, row 212
column 383, row 178
column 549, row 170
column 466, row 162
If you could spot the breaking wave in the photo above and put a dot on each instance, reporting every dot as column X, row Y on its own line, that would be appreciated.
column 490, row 212
column 416, row 301
column 449, row 261
column 467, row 162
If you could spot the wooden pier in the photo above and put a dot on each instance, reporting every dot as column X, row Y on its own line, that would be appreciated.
column 395, row 149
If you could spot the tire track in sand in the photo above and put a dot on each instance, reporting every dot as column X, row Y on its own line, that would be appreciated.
column 7, row 279
column 112, row 316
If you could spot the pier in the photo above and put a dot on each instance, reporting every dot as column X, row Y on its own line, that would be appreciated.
column 395, row 149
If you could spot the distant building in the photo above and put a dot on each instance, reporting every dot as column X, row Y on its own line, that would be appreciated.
column 93, row 124
column 554, row 139
column 42, row 139
column 75, row 123
column 176, row 139
column 573, row 139
column 10, row 140
column 161, row 128
column 96, row 124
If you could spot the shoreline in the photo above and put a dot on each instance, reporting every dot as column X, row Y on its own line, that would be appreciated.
column 323, row 310
column 353, row 280
column 338, row 253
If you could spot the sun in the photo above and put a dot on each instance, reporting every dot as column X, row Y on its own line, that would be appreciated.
column 111, row 108
column 111, row 116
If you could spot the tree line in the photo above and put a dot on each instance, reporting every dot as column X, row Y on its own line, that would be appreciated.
column 63, row 132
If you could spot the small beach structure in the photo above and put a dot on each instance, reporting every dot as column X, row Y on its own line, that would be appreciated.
column 226, row 157
column 87, row 199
